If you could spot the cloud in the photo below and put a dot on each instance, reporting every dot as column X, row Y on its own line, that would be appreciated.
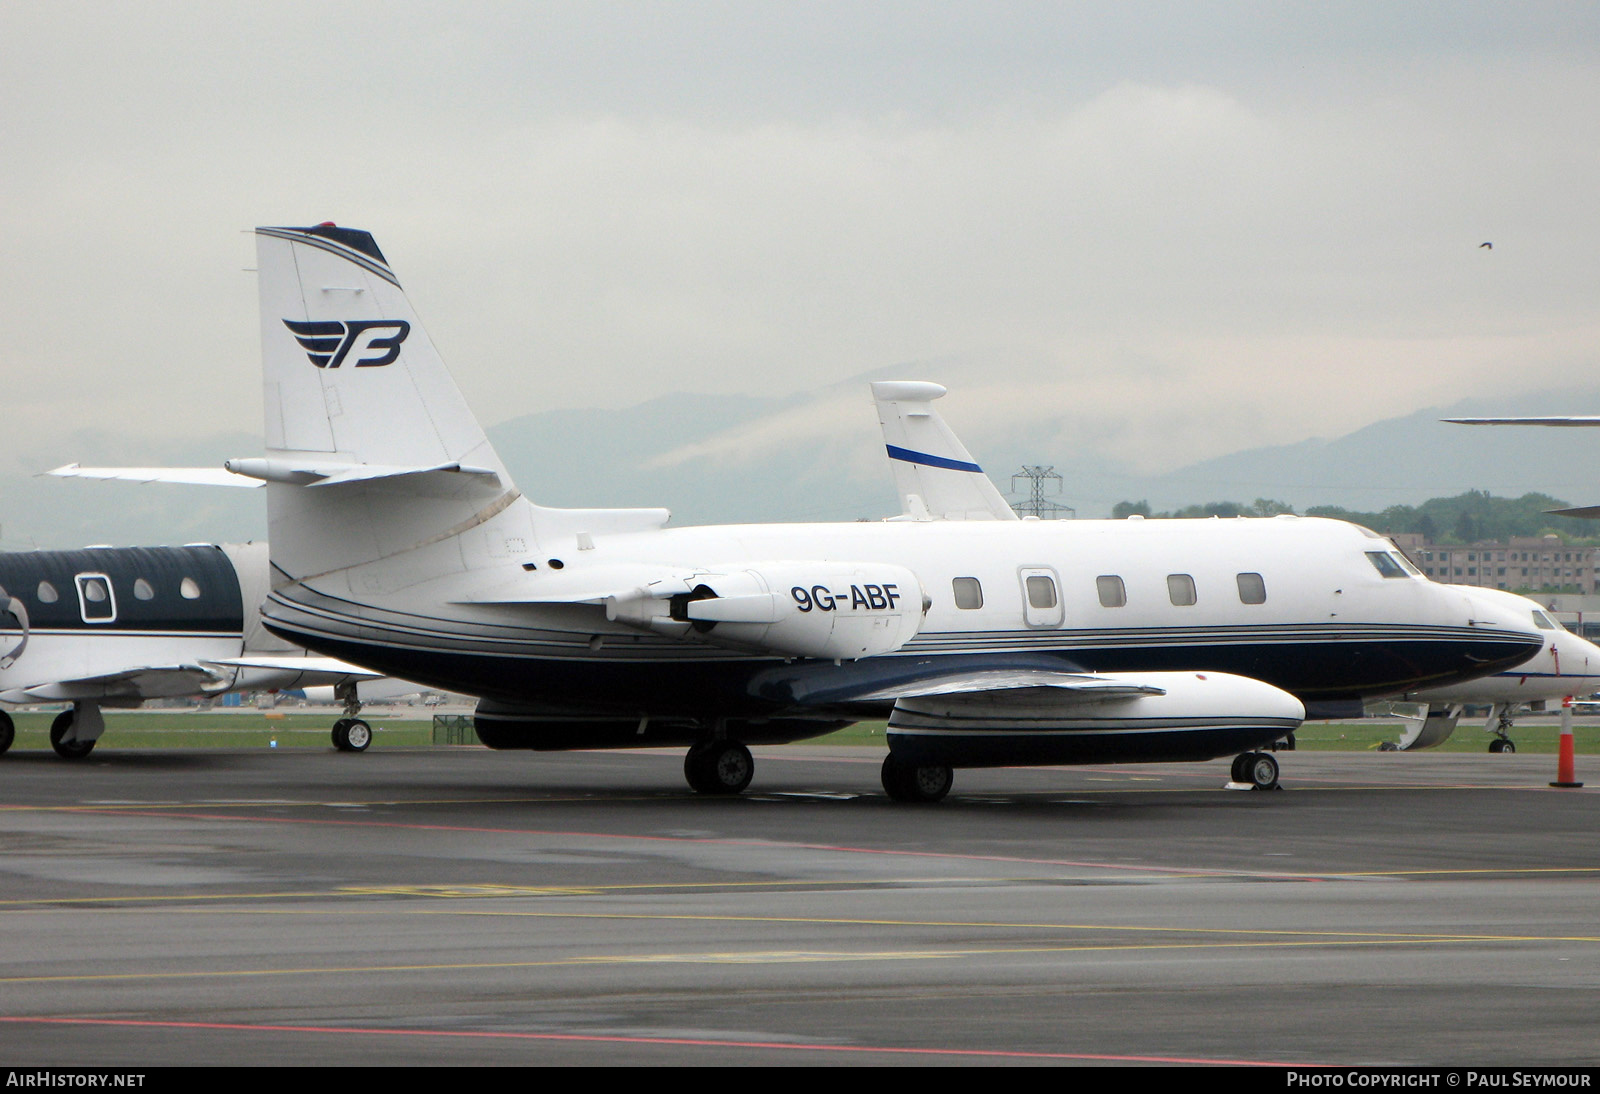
column 1167, row 235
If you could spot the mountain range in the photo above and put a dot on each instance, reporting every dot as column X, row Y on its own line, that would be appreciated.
column 818, row 456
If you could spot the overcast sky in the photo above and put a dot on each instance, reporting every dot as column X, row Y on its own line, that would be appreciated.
column 1182, row 229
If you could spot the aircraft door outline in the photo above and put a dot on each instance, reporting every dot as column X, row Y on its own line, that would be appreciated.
column 1041, row 596
column 97, row 601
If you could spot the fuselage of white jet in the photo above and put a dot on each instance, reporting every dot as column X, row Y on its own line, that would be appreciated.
column 399, row 542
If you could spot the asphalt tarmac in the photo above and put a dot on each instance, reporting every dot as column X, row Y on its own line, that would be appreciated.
column 460, row 906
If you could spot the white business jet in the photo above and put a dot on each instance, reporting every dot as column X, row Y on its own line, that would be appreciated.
column 399, row 542
column 115, row 626
column 937, row 478
column 1568, row 665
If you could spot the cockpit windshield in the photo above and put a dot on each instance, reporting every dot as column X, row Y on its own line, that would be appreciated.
column 1546, row 622
column 1387, row 565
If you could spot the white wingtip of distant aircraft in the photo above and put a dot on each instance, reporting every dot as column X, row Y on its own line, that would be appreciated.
column 1583, row 512
column 1569, row 420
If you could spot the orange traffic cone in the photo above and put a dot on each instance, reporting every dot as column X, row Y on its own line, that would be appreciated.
column 1566, row 776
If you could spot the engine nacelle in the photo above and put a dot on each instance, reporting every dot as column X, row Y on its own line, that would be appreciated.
column 838, row 611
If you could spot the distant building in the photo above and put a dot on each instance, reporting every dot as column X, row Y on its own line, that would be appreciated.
column 1527, row 562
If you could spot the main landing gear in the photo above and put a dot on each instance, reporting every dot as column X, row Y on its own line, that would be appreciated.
column 350, row 734
column 908, row 782
column 719, row 767
column 73, row 749
column 1258, row 769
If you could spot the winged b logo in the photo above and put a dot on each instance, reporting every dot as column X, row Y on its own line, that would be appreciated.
column 367, row 342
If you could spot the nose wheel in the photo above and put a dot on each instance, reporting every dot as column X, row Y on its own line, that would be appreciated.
column 351, row 735
column 1258, row 769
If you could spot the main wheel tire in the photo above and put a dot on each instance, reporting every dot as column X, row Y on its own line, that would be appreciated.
column 357, row 735
column 1261, row 772
column 719, row 767
column 1238, row 773
column 1500, row 744
column 8, row 731
column 1509, row 746
column 67, row 750
column 341, row 735
column 906, row 782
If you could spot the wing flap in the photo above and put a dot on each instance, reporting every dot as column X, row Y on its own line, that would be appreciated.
column 142, row 682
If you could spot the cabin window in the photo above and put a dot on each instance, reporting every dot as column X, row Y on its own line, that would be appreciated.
column 1252, row 589
column 142, row 590
column 46, row 593
column 1041, row 591
column 1385, row 564
column 189, row 589
column 969, row 594
column 1113, row 593
column 1180, row 588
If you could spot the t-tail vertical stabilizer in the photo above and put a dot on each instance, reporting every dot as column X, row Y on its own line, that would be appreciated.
column 372, row 451
column 934, row 474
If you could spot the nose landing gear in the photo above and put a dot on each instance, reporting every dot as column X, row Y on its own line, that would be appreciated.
column 350, row 734
column 719, row 767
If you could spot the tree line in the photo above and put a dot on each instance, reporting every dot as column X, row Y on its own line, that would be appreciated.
column 1472, row 517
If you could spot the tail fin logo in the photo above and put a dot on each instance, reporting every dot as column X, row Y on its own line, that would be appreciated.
column 363, row 342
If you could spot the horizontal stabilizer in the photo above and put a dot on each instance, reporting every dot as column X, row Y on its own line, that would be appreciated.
column 297, row 472
column 1582, row 512
column 189, row 476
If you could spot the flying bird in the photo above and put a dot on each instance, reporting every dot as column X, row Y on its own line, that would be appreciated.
column 1486, row 246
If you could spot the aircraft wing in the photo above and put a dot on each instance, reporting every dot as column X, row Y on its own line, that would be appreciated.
column 1579, row 420
column 934, row 473
column 1582, row 512
column 192, row 476
column 290, row 671
column 141, row 682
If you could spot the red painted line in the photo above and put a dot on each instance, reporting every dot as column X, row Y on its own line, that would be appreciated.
column 1180, row 871
column 704, row 1042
